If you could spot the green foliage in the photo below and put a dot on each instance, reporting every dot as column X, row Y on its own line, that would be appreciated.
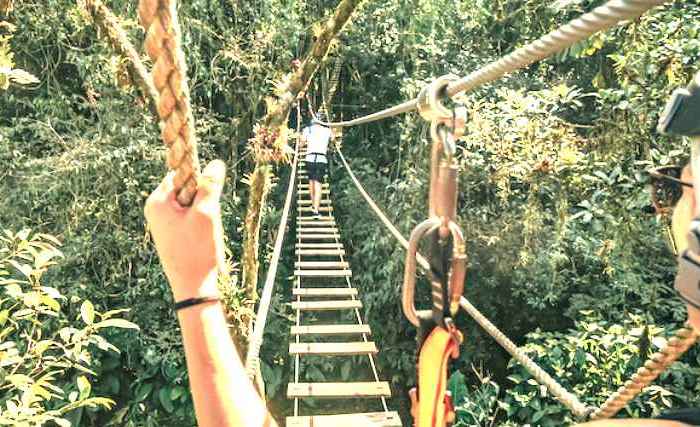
column 8, row 74
column 592, row 360
column 50, row 341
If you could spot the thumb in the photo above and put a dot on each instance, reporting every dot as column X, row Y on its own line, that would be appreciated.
column 211, row 182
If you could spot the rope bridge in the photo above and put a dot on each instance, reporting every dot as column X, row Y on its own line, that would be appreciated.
column 327, row 307
column 323, row 295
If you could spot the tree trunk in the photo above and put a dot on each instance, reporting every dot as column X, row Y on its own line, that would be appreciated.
column 260, row 186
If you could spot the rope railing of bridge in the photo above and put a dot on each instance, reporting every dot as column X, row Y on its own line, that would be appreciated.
column 252, row 361
column 599, row 19
column 163, row 44
column 676, row 346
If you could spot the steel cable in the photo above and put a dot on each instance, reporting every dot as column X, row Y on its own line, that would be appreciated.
column 600, row 18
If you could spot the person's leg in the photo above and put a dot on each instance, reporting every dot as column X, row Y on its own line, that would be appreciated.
column 317, row 195
column 311, row 171
column 313, row 187
column 318, row 179
column 312, row 191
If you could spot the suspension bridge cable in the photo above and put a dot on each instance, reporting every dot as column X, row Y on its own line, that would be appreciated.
column 601, row 18
column 559, row 392
column 252, row 362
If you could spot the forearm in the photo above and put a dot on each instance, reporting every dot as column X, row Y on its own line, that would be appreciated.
column 223, row 395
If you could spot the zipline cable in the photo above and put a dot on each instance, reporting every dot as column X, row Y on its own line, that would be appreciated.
column 600, row 18
column 560, row 393
column 252, row 362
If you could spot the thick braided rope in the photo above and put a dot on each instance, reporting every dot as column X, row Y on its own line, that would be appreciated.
column 682, row 340
column 103, row 16
column 560, row 393
column 163, row 45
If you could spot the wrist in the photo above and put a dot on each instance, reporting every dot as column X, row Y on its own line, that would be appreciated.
column 195, row 287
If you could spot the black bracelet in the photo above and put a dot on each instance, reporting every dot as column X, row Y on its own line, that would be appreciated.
column 189, row 302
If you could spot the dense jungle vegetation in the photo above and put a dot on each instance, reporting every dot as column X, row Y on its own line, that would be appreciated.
column 561, row 255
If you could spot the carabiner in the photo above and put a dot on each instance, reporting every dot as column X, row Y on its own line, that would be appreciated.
column 454, row 278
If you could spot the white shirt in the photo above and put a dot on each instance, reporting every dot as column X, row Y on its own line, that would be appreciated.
column 317, row 139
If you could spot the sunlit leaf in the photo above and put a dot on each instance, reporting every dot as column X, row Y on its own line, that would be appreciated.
column 87, row 312
column 164, row 397
column 117, row 323
column 84, row 387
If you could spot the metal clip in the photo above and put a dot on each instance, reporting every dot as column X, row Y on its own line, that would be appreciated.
column 449, row 286
column 448, row 255
column 429, row 105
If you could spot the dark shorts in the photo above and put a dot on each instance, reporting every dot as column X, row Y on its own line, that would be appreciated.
column 317, row 171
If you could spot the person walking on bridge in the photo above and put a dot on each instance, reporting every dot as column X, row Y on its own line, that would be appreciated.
column 316, row 138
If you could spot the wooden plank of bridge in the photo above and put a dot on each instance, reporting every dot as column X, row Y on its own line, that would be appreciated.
column 321, row 229
column 333, row 348
column 367, row 419
column 339, row 390
column 326, row 305
column 304, row 186
column 323, row 273
column 316, row 223
column 307, row 202
column 305, row 192
column 321, row 264
column 330, row 329
column 320, row 252
column 320, row 209
column 324, row 292
column 310, row 236
column 319, row 245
